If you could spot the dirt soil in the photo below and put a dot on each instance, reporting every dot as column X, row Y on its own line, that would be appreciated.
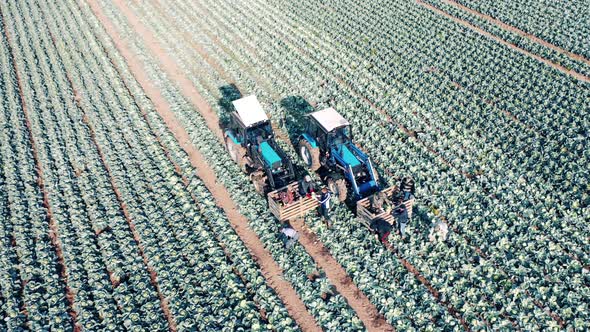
column 270, row 270
column 357, row 300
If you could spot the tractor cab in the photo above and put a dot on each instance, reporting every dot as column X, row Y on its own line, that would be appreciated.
column 251, row 144
column 326, row 146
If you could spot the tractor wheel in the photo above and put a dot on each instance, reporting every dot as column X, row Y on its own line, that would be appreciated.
column 376, row 176
column 342, row 189
column 309, row 155
column 236, row 152
column 338, row 188
column 259, row 180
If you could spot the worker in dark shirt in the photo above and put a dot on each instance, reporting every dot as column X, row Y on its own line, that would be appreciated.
column 401, row 214
column 407, row 187
column 306, row 187
column 381, row 228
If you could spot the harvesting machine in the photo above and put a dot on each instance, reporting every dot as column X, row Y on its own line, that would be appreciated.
column 251, row 144
column 326, row 147
column 250, row 141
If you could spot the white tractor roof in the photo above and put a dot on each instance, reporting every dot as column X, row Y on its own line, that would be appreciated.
column 249, row 110
column 329, row 119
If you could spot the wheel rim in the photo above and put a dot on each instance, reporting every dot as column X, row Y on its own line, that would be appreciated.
column 305, row 155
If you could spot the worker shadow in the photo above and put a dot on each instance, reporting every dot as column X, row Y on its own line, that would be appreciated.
column 229, row 93
column 422, row 221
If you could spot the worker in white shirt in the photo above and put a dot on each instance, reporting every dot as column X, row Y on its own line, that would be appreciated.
column 439, row 231
column 291, row 236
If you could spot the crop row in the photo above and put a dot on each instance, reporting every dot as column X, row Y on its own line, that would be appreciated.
column 514, row 38
column 89, row 154
column 31, row 290
column 295, row 263
column 563, row 24
column 274, row 79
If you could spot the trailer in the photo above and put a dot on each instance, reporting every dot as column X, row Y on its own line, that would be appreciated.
column 286, row 204
column 366, row 213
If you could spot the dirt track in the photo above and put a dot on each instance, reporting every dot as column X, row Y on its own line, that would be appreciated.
column 505, row 43
column 366, row 311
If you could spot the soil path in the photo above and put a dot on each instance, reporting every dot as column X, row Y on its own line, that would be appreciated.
column 518, row 31
column 53, row 228
column 503, row 42
column 270, row 270
column 366, row 311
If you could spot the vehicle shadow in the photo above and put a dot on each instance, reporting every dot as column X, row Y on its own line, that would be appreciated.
column 296, row 107
column 229, row 93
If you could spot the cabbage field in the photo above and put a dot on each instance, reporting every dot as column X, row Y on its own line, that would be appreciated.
column 120, row 208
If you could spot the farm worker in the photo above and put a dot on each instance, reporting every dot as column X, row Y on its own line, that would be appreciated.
column 325, row 206
column 381, row 228
column 378, row 200
column 306, row 187
column 286, row 196
column 291, row 236
column 439, row 231
column 401, row 214
column 407, row 187
column 328, row 292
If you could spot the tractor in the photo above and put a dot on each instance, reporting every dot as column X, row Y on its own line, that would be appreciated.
column 250, row 142
column 326, row 147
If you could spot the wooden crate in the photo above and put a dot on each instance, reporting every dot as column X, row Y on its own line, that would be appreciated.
column 296, row 209
column 363, row 207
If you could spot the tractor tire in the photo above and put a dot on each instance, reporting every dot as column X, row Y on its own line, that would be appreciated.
column 236, row 152
column 259, row 180
column 342, row 189
column 338, row 188
column 309, row 155
column 376, row 176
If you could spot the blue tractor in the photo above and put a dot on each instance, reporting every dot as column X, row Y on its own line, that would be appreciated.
column 326, row 147
column 250, row 142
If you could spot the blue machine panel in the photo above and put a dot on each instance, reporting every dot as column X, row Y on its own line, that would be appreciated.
column 349, row 157
column 310, row 139
column 367, row 187
column 269, row 155
column 233, row 137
